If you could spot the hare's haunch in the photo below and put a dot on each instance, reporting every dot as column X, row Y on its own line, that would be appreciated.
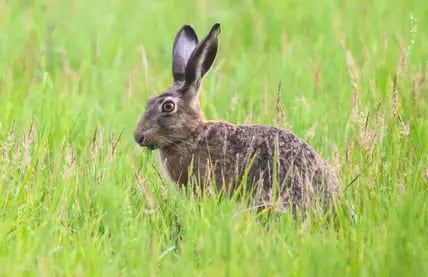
column 265, row 159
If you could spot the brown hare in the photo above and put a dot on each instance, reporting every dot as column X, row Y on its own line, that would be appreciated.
column 274, row 166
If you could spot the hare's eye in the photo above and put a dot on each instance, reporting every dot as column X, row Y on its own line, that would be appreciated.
column 168, row 106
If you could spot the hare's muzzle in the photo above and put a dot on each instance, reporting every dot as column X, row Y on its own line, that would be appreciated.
column 146, row 138
column 139, row 138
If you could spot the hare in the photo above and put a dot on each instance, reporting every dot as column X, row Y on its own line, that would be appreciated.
column 277, row 168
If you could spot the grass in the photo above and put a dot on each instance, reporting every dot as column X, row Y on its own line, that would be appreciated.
column 78, row 197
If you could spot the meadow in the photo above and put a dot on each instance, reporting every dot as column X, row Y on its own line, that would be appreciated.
column 79, row 198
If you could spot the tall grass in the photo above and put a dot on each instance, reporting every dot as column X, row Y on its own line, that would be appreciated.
column 78, row 197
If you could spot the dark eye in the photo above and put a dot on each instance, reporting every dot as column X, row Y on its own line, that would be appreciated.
column 168, row 106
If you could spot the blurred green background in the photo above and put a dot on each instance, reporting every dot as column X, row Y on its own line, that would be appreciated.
column 80, row 198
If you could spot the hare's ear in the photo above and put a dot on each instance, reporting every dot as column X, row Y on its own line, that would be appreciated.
column 202, row 58
column 184, row 43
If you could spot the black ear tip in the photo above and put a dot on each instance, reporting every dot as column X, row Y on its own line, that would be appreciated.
column 215, row 30
column 188, row 30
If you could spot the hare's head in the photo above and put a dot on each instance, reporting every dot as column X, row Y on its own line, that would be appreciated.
column 172, row 116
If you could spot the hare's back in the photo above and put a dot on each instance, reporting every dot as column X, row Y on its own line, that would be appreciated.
column 260, row 140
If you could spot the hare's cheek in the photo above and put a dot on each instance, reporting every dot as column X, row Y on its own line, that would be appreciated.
column 167, row 124
column 163, row 125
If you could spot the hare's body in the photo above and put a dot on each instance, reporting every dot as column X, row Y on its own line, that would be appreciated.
column 230, row 155
column 272, row 164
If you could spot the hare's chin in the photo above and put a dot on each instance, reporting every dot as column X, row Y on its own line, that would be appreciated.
column 149, row 146
column 152, row 147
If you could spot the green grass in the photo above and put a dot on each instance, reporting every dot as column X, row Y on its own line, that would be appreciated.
column 78, row 197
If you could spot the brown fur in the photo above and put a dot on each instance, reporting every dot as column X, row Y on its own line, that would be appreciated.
column 275, row 166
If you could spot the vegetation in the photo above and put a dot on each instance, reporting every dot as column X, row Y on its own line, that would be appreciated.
column 79, row 197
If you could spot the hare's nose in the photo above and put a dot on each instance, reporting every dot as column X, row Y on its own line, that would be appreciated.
column 139, row 138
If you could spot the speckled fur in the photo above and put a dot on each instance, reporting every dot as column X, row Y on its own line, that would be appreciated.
column 223, row 153
column 274, row 165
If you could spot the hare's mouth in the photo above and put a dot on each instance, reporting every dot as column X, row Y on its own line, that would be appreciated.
column 150, row 146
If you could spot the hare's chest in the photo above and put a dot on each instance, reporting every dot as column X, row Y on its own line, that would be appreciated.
column 175, row 165
column 181, row 164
